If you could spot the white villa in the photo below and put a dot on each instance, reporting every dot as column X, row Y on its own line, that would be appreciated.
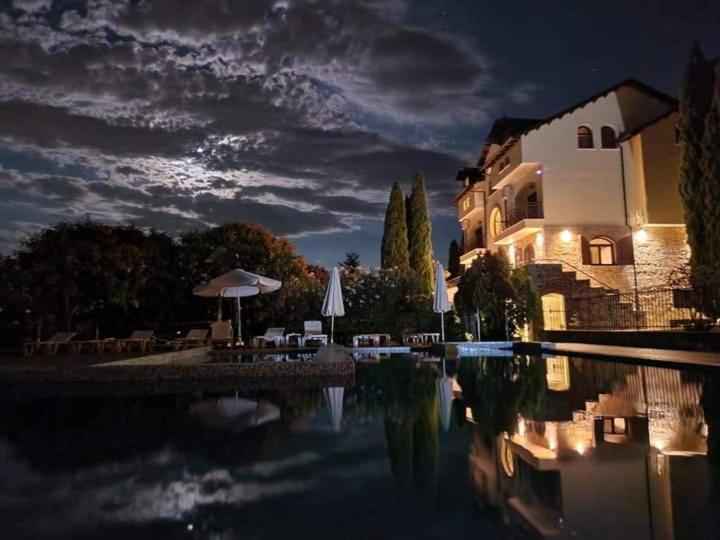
column 590, row 192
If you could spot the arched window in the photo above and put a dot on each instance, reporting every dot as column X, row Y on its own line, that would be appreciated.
column 496, row 225
column 602, row 251
column 585, row 137
column 607, row 137
column 529, row 254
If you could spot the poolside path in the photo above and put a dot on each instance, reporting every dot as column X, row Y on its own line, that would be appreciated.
column 639, row 353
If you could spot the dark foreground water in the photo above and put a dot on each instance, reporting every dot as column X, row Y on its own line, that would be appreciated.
column 497, row 448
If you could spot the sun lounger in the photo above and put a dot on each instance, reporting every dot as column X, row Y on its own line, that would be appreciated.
column 371, row 340
column 313, row 333
column 51, row 346
column 142, row 338
column 272, row 335
column 196, row 337
column 221, row 333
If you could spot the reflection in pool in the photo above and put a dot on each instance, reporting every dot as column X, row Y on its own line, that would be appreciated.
column 491, row 447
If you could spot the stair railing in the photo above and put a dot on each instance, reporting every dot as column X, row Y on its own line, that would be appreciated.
column 610, row 288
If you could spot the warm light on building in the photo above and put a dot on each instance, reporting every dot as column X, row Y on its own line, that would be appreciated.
column 580, row 448
column 641, row 235
column 539, row 239
column 566, row 236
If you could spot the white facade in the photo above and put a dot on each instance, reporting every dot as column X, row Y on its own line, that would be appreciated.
column 545, row 197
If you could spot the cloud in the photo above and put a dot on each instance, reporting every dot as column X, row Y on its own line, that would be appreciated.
column 297, row 115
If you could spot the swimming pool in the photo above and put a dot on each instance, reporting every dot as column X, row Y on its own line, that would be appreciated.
column 489, row 447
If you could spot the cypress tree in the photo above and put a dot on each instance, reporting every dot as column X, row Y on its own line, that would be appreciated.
column 395, row 236
column 408, row 215
column 710, row 168
column 695, row 101
column 421, row 259
column 454, row 259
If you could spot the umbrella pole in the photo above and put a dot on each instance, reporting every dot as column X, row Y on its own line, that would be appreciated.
column 219, row 308
column 477, row 318
column 442, row 327
column 239, row 325
column 332, row 329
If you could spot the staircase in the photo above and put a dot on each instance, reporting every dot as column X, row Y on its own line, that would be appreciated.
column 589, row 303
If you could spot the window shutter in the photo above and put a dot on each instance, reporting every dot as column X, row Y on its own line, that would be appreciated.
column 585, row 248
column 625, row 253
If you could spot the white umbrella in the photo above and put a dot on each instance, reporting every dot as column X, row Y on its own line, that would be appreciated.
column 237, row 284
column 334, row 400
column 445, row 395
column 235, row 413
column 333, row 304
column 441, row 304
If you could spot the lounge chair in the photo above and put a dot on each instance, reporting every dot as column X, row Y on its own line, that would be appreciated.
column 197, row 337
column 313, row 332
column 271, row 335
column 221, row 333
column 142, row 338
column 51, row 346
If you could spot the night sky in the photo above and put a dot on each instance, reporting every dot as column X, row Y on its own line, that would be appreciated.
column 296, row 115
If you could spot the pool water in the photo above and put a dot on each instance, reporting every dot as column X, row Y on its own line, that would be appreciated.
column 491, row 447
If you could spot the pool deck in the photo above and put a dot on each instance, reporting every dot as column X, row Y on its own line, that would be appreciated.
column 187, row 365
column 672, row 356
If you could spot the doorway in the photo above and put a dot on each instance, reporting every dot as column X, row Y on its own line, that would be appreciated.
column 553, row 305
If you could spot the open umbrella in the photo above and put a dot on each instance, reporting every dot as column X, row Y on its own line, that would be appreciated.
column 333, row 304
column 334, row 400
column 441, row 304
column 237, row 284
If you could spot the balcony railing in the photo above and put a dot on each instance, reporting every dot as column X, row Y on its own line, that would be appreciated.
column 473, row 243
column 531, row 210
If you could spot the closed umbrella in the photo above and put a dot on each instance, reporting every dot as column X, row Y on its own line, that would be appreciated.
column 333, row 305
column 334, row 400
column 445, row 395
column 441, row 304
column 237, row 284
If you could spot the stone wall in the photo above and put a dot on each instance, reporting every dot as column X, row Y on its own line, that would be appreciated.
column 618, row 277
column 659, row 252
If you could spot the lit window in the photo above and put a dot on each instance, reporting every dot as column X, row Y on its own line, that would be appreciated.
column 495, row 222
column 585, row 137
column 466, row 203
column 607, row 137
column 602, row 251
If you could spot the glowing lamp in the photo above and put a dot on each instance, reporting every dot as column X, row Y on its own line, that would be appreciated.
column 539, row 171
column 641, row 235
column 566, row 236
column 539, row 239
column 580, row 448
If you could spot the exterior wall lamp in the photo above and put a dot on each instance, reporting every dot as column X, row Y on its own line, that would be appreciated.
column 641, row 235
column 566, row 236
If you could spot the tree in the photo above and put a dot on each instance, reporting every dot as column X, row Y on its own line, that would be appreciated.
column 394, row 252
column 695, row 102
column 351, row 262
column 527, row 307
column 486, row 287
column 420, row 242
column 491, row 288
column 454, row 259
column 710, row 169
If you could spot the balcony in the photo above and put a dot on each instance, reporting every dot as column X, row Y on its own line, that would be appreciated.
column 521, row 221
column 472, row 248
column 469, row 204
column 530, row 210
